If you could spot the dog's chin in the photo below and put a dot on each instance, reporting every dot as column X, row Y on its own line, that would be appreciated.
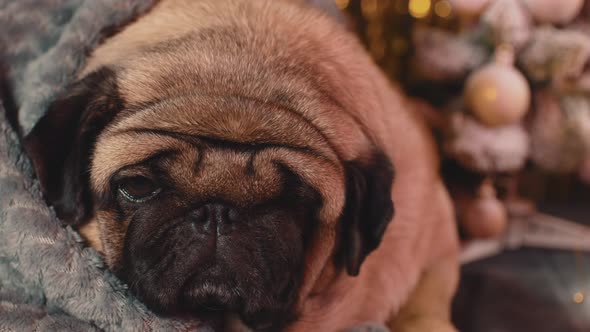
column 213, row 301
column 216, row 302
column 212, row 294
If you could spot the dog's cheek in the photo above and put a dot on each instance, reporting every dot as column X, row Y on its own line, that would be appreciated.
column 112, row 237
column 90, row 231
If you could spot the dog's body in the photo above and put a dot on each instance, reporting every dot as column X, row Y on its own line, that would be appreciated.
column 283, row 84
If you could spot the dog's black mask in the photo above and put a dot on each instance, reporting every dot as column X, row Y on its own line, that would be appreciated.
column 186, row 255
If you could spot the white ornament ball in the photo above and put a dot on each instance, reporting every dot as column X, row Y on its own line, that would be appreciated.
column 554, row 11
column 468, row 8
column 497, row 94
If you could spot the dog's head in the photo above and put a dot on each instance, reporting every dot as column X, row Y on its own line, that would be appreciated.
column 217, row 186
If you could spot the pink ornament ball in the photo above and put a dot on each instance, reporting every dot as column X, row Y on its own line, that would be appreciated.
column 497, row 94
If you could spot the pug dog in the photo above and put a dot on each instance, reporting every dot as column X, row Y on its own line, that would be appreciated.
column 236, row 158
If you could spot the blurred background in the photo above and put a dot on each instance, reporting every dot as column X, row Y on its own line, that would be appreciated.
column 505, row 87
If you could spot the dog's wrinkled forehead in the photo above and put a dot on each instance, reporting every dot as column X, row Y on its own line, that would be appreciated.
column 271, row 135
column 232, row 61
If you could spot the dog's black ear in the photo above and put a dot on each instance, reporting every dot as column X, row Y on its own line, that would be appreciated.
column 367, row 211
column 61, row 143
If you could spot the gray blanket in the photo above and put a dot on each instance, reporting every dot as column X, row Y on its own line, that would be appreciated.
column 48, row 280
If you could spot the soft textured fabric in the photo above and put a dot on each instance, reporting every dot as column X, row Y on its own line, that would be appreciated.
column 45, row 42
column 48, row 280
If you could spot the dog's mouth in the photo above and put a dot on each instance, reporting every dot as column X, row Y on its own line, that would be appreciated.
column 215, row 293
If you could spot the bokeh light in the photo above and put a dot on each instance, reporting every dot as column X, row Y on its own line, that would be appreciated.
column 419, row 8
column 342, row 4
column 443, row 9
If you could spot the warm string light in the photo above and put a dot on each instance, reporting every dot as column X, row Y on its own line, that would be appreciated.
column 579, row 296
column 443, row 9
column 419, row 8
column 385, row 26
column 369, row 8
column 416, row 8
column 342, row 4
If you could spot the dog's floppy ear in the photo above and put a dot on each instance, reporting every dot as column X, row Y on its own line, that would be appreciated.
column 368, row 209
column 61, row 143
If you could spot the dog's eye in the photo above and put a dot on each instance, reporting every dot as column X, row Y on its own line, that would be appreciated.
column 138, row 189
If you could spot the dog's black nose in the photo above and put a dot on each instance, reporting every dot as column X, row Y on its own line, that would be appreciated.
column 214, row 217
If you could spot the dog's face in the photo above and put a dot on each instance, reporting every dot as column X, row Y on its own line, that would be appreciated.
column 211, row 196
column 197, row 221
